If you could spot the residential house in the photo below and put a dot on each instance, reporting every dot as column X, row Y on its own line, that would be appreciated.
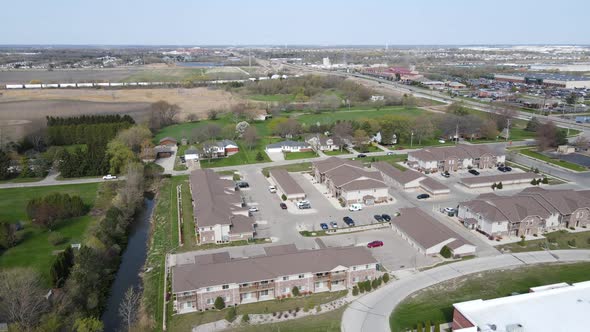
column 288, row 146
column 219, row 210
column 219, row 149
column 428, row 235
column 457, row 157
column 163, row 151
column 377, row 138
column 506, row 179
column 349, row 182
column 409, row 179
column 197, row 283
column 322, row 143
column 191, row 153
column 532, row 211
column 286, row 184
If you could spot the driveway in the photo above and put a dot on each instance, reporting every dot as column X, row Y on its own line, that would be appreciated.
column 371, row 312
column 168, row 163
column 276, row 156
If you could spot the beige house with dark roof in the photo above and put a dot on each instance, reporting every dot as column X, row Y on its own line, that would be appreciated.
column 428, row 235
column 454, row 158
column 349, row 181
column 286, row 184
column 197, row 284
column 219, row 210
column 409, row 179
column 532, row 211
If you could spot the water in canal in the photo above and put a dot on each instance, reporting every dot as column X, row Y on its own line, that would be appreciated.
column 131, row 264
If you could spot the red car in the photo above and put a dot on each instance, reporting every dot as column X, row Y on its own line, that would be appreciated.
column 375, row 244
column 283, row 206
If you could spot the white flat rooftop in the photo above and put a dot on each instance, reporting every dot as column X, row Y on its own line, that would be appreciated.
column 552, row 308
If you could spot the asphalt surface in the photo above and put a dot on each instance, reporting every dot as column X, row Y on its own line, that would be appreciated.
column 371, row 312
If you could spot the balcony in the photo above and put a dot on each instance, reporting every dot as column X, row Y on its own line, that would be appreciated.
column 321, row 278
column 338, row 275
column 256, row 287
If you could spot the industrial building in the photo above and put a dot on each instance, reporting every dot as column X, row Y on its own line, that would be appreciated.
column 547, row 79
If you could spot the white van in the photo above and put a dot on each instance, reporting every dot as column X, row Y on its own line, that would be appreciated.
column 355, row 207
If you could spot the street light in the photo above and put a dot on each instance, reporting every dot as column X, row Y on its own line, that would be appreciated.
column 411, row 139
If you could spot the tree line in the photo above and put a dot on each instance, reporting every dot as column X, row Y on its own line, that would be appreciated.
column 90, row 134
column 88, row 119
column 48, row 210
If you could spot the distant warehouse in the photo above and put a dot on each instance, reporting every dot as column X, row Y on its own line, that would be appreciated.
column 547, row 79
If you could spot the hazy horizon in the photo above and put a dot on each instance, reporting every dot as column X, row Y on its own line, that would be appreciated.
column 306, row 22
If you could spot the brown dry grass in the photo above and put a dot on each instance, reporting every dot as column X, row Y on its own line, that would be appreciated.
column 192, row 101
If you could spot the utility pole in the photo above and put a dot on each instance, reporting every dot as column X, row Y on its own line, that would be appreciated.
column 411, row 139
column 457, row 133
column 507, row 129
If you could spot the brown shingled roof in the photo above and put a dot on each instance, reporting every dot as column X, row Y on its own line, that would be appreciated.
column 403, row 177
column 499, row 178
column 286, row 182
column 333, row 162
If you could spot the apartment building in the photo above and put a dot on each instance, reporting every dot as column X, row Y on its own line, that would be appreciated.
column 198, row 283
column 454, row 158
column 532, row 211
column 219, row 210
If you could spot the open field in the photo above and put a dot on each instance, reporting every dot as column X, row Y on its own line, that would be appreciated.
column 435, row 304
column 34, row 250
column 554, row 241
column 186, row 321
column 51, row 102
column 344, row 114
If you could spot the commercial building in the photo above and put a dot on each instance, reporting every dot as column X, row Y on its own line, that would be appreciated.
column 286, row 184
column 454, row 158
column 547, row 79
column 506, row 179
column 427, row 234
column 219, row 210
column 350, row 182
column 532, row 211
column 409, row 179
column 197, row 284
column 552, row 308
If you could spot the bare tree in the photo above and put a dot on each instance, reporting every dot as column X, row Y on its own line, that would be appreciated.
column 132, row 191
column 360, row 137
column 582, row 142
column 489, row 129
column 250, row 136
column 129, row 307
column 546, row 136
column 134, row 137
column 212, row 130
column 213, row 114
column 289, row 128
column 503, row 113
column 342, row 131
column 22, row 297
column 423, row 129
column 238, row 111
column 163, row 114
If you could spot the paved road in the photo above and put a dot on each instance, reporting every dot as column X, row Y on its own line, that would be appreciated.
column 51, row 180
column 371, row 312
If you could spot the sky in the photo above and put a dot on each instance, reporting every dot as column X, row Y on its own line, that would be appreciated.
column 303, row 22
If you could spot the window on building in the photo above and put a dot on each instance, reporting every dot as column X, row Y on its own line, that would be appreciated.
column 264, row 292
column 227, row 299
column 209, row 301
column 366, row 266
column 287, row 290
column 301, row 276
column 285, row 278
column 264, row 282
column 355, row 279
column 303, row 288
column 354, row 268
column 208, row 289
column 245, row 285
column 225, row 287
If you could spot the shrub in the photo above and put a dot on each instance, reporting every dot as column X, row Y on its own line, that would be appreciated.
column 536, row 170
column 534, row 182
column 551, row 239
column 572, row 242
column 436, row 327
column 446, row 252
column 588, row 240
column 231, row 314
column 522, row 242
column 318, row 308
column 259, row 156
column 355, row 289
column 56, row 238
column 295, row 291
column 219, row 303
column 545, row 180
column 361, row 286
column 283, row 197
column 386, row 277
column 375, row 284
column 494, row 185
column 428, row 327
column 499, row 186
column 419, row 328
column 368, row 286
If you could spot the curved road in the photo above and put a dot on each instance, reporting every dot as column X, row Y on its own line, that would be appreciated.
column 371, row 312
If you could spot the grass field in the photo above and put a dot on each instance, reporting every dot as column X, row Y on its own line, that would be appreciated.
column 435, row 304
column 34, row 250
column 554, row 240
column 566, row 164
column 300, row 155
column 300, row 167
column 336, row 152
column 245, row 156
column 328, row 322
column 187, row 321
column 273, row 98
column 343, row 114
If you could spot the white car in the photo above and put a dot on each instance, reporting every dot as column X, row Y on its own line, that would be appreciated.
column 253, row 209
column 390, row 153
column 272, row 189
column 109, row 177
column 449, row 209
column 441, row 141
column 355, row 207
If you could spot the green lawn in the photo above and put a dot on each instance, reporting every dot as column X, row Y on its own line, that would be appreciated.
column 300, row 167
column 34, row 250
column 328, row 322
column 21, row 180
column 300, row 155
column 287, row 98
column 368, row 148
column 336, row 152
column 555, row 240
column 343, row 114
column 435, row 304
column 566, row 164
column 187, row 321
column 390, row 159
column 245, row 156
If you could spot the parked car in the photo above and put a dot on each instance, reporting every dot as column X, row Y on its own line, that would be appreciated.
column 508, row 168
column 253, row 209
column 333, row 224
column 441, row 141
column 390, row 153
column 449, row 210
column 355, row 207
column 445, row 174
column 361, row 155
column 502, row 169
column 474, row 172
column 324, row 226
column 109, row 177
column 272, row 189
column 378, row 217
column 348, row 221
column 243, row 184
column 304, row 204
column 375, row 244
column 283, row 206
column 386, row 217
column 423, row 196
